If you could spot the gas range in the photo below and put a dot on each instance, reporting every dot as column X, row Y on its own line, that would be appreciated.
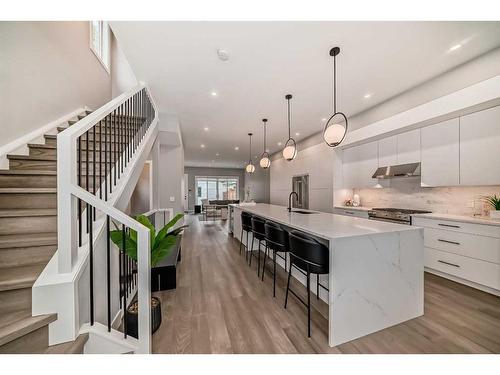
column 394, row 215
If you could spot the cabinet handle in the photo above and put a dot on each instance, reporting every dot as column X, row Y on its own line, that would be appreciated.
column 452, row 242
column 449, row 264
column 449, row 225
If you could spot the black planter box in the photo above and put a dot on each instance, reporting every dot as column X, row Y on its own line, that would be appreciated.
column 132, row 322
column 164, row 274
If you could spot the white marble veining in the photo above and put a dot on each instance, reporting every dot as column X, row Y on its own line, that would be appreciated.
column 485, row 220
column 322, row 224
column 376, row 274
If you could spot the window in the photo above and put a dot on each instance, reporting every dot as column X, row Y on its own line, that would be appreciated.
column 99, row 42
column 217, row 187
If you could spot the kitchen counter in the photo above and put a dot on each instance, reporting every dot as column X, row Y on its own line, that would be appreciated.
column 358, row 208
column 376, row 268
column 485, row 220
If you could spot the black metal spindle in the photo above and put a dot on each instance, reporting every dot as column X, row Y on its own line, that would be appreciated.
column 93, row 168
column 87, row 172
column 91, row 262
column 106, row 158
column 79, row 157
column 113, row 124
column 120, row 144
column 108, row 271
column 100, row 159
column 124, row 294
column 127, row 148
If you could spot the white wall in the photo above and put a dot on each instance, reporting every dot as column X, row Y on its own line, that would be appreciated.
column 259, row 184
column 316, row 161
column 122, row 75
column 47, row 70
column 170, row 176
column 140, row 200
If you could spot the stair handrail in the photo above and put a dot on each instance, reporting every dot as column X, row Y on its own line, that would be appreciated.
column 135, row 112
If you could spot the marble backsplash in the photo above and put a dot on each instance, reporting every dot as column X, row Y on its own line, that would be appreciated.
column 407, row 193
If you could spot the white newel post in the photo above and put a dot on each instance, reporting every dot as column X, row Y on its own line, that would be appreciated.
column 144, row 291
column 66, row 203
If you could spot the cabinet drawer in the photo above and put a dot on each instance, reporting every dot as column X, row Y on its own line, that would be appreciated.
column 457, row 226
column 466, row 244
column 478, row 271
column 354, row 213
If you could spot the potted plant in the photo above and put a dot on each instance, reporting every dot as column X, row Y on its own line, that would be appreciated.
column 494, row 202
column 161, row 244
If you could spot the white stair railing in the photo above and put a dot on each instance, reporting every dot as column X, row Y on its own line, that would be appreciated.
column 96, row 157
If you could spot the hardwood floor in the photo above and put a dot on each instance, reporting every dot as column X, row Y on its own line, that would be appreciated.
column 220, row 306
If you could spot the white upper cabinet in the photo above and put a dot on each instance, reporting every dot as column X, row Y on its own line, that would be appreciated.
column 359, row 164
column 387, row 151
column 480, row 148
column 408, row 147
column 440, row 154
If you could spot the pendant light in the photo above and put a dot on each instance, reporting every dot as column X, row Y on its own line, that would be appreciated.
column 265, row 161
column 290, row 149
column 250, row 167
column 336, row 127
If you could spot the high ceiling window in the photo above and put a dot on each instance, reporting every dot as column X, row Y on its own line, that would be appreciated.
column 99, row 42
column 216, row 188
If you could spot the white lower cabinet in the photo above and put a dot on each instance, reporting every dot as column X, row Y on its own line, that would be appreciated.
column 466, row 252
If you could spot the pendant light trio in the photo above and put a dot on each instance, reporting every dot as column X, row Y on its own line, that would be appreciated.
column 333, row 134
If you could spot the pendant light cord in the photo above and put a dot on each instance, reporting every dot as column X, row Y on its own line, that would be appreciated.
column 265, row 136
column 250, row 154
column 289, row 134
column 334, row 84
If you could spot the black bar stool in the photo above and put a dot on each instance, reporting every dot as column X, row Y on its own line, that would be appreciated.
column 259, row 233
column 311, row 256
column 277, row 241
column 246, row 225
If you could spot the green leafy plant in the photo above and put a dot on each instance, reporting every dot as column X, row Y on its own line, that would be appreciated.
column 161, row 243
column 493, row 201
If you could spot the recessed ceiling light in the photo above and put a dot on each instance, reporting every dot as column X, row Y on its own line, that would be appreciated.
column 202, row 146
column 236, row 148
column 455, row 47
column 367, row 96
column 223, row 54
column 213, row 93
column 297, row 134
column 217, row 154
column 279, row 143
column 205, row 128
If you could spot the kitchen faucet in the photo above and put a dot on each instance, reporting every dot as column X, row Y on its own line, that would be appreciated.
column 290, row 200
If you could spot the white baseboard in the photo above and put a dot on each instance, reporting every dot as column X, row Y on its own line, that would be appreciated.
column 19, row 145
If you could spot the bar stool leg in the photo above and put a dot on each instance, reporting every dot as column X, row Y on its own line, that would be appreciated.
column 317, row 286
column 246, row 248
column 288, row 283
column 241, row 239
column 308, row 302
column 274, row 273
column 264, row 265
column 258, row 261
column 251, row 252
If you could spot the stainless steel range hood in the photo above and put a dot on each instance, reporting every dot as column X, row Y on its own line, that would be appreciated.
column 397, row 171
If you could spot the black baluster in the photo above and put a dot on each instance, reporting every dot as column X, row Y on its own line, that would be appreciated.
column 120, row 145
column 94, row 168
column 79, row 217
column 108, row 271
column 124, row 294
column 91, row 262
column 106, row 158
column 100, row 159
column 87, row 170
column 113, row 124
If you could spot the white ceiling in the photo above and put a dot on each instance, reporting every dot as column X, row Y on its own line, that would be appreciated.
column 267, row 60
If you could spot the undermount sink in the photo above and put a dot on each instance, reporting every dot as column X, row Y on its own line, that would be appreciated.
column 304, row 212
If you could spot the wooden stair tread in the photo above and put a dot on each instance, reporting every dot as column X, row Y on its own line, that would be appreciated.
column 19, row 277
column 24, row 326
column 72, row 347
column 22, row 212
column 28, row 190
column 13, row 316
column 9, row 241
column 30, row 157
column 27, row 172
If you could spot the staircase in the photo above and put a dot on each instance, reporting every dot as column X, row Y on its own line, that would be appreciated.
column 28, row 239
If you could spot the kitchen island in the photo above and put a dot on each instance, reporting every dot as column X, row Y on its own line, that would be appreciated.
column 376, row 277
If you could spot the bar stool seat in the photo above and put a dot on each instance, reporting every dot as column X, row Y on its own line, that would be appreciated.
column 258, row 233
column 308, row 256
column 277, row 241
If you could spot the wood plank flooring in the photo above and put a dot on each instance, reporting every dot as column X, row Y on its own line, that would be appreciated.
column 220, row 306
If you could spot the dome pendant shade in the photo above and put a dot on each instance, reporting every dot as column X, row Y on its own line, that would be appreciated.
column 250, row 168
column 336, row 127
column 290, row 149
column 265, row 161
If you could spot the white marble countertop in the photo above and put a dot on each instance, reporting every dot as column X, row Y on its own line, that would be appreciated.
column 359, row 208
column 485, row 220
column 322, row 224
